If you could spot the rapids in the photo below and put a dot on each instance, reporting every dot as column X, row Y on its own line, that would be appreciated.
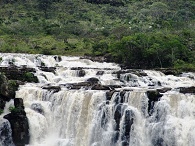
column 85, row 117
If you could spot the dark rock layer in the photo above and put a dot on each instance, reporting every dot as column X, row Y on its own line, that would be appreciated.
column 19, row 123
column 187, row 89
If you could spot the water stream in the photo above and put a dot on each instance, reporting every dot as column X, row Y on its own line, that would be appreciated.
column 86, row 117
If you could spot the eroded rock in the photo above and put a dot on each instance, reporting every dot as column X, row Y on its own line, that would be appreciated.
column 19, row 123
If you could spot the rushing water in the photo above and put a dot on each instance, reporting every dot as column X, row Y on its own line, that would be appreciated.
column 87, row 117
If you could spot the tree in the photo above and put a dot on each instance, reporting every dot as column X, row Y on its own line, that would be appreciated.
column 158, row 10
column 44, row 5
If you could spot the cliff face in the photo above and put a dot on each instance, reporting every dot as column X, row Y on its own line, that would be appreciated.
column 10, row 79
column 19, row 123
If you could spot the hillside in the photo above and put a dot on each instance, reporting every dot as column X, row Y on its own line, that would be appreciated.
column 136, row 33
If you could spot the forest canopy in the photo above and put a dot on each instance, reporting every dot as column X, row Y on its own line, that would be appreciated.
column 136, row 33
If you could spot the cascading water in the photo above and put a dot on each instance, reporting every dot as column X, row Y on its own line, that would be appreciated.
column 123, row 114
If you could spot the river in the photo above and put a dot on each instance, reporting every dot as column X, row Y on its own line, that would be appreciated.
column 120, row 114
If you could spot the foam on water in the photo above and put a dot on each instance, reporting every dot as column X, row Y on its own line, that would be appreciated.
column 98, row 118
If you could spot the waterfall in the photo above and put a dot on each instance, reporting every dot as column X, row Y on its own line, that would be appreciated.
column 5, row 133
column 65, row 109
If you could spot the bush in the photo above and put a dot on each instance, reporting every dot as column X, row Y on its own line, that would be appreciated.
column 13, row 109
column 1, row 111
column 30, row 77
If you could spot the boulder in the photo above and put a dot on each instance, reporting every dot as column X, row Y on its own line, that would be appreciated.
column 93, row 81
column 81, row 73
column 37, row 107
column 58, row 58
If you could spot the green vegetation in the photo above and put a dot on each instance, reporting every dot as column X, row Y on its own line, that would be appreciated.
column 136, row 33
column 1, row 111
column 30, row 77
column 13, row 109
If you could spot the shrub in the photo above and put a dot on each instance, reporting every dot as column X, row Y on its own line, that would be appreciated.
column 13, row 109
column 30, row 77
column 1, row 111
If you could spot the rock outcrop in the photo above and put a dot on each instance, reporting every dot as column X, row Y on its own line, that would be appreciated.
column 187, row 90
column 7, row 89
column 19, row 123
column 18, row 73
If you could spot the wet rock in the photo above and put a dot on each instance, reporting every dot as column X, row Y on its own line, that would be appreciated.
column 128, row 122
column 81, row 73
column 18, row 103
column 5, row 133
column 54, row 89
column 38, row 108
column 79, row 85
column 109, row 94
column 120, row 97
column 7, row 88
column 4, row 87
column 153, row 96
column 100, row 87
column 48, row 69
column 158, row 142
column 93, row 81
column 187, row 90
column 19, row 123
column 13, row 86
column 100, row 73
column 114, row 86
column 117, row 118
column 163, row 90
column 16, row 73
column 58, row 58
column 103, row 115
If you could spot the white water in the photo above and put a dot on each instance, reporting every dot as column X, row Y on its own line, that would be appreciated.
column 86, row 118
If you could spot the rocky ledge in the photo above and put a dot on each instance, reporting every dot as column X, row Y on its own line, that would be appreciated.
column 190, row 90
column 19, row 73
